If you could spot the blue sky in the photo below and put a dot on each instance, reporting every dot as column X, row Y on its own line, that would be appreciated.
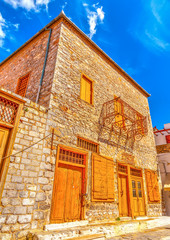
column 134, row 33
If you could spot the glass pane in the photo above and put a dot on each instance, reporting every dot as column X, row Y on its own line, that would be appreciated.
column 133, row 184
column 134, row 192
column 139, row 185
column 139, row 193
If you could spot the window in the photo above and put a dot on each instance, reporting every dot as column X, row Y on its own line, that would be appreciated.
column 89, row 145
column 102, row 178
column 22, row 85
column 152, row 186
column 72, row 157
column 86, row 89
column 168, row 138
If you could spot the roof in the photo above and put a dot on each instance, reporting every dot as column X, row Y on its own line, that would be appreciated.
column 67, row 20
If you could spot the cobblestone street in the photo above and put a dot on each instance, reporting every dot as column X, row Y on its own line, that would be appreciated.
column 158, row 233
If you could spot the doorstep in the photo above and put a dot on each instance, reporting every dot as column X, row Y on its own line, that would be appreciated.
column 58, row 226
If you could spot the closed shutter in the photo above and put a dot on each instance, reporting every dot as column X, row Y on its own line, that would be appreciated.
column 103, row 178
column 152, row 186
column 86, row 89
column 22, row 85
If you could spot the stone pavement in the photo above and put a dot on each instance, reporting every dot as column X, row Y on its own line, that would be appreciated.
column 151, row 234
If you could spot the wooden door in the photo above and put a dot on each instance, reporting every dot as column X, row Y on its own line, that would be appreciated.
column 66, row 204
column 3, row 141
column 138, row 198
column 123, row 196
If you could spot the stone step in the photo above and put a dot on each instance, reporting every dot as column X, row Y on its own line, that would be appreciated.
column 53, row 227
column 90, row 237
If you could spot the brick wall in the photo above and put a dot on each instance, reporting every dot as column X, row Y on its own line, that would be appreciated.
column 30, row 59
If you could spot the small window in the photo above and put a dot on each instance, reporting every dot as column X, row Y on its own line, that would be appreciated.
column 168, row 138
column 89, row 145
column 22, row 85
column 86, row 89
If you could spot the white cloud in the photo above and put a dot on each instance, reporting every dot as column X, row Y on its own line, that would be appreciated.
column 5, row 27
column 64, row 5
column 100, row 13
column 28, row 4
column 2, row 32
column 157, row 41
column 94, row 16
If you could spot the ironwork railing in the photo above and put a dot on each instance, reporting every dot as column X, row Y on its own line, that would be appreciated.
column 120, row 117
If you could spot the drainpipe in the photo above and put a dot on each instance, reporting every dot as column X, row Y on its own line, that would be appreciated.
column 46, row 55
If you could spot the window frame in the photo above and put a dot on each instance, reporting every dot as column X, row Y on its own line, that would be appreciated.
column 85, row 77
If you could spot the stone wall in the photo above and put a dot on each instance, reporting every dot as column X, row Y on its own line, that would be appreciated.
column 30, row 59
column 76, row 117
column 26, row 198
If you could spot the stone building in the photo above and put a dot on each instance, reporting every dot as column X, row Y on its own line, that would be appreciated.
column 76, row 135
column 162, row 139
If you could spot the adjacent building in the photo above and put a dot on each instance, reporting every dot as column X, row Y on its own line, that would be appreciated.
column 76, row 135
column 162, row 139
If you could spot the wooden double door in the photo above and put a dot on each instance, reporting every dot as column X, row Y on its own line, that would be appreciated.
column 131, row 194
column 67, row 194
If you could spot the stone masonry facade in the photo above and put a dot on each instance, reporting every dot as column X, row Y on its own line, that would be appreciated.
column 27, row 194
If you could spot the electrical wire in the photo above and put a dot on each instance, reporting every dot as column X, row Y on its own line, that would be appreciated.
column 13, row 155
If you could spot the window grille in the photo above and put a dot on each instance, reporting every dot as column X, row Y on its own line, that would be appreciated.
column 91, row 146
column 136, row 172
column 22, row 85
column 8, row 110
column 73, row 157
column 122, row 168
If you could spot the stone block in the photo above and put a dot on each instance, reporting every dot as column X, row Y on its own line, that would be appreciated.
column 20, row 210
column 32, row 194
column 40, row 197
column 23, row 194
column 7, row 210
column 5, row 201
column 39, row 215
column 11, row 193
column 16, row 179
column 12, row 219
column 5, row 229
column 15, row 201
column 32, row 174
column 49, row 174
column 19, row 186
column 24, row 218
column 2, row 219
column 43, row 180
column 28, row 201
column 47, row 187
column 31, row 187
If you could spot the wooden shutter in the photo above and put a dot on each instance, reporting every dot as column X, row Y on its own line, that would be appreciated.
column 102, row 178
column 86, row 89
column 22, row 85
column 152, row 186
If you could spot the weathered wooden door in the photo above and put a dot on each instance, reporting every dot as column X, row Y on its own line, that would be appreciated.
column 3, row 141
column 123, row 195
column 138, row 198
column 66, row 205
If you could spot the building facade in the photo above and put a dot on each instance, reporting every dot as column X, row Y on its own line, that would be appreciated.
column 79, row 144
column 162, row 139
